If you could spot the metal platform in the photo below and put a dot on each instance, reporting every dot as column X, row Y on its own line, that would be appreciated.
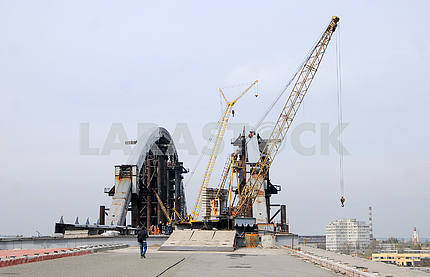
column 200, row 240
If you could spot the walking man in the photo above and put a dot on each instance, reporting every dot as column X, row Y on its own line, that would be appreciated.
column 141, row 238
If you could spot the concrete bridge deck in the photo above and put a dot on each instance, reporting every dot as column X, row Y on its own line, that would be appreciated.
column 126, row 262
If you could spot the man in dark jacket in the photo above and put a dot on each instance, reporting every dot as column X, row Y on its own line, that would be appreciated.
column 141, row 238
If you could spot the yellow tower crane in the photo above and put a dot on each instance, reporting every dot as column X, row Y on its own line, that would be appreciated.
column 214, row 150
column 254, row 185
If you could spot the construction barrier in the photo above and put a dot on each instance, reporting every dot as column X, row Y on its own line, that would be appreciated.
column 252, row 240
column 65, row 253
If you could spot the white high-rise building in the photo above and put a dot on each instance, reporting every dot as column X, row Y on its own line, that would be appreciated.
column 347, row 234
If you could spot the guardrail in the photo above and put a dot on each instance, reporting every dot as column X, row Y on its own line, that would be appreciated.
column 329, row 264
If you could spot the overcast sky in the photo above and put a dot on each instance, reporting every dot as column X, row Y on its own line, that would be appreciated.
column 161, row 62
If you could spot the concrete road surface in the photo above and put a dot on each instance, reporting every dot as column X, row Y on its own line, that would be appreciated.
column 125, row 262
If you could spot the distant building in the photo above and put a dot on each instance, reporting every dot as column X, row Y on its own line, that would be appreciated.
column 346, row 235
column 313, row 241
column 408, row 258
column 386, row 247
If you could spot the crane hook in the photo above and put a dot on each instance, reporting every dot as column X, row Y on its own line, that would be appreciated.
column 342, row 200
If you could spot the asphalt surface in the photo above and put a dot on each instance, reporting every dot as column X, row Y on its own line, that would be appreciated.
column 126, row 262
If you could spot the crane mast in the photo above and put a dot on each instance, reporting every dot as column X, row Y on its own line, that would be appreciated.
column 254, row 184
column 215, row 149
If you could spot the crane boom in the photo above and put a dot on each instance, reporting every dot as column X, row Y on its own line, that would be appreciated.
column 215, row 148
column 285, row 119
column 163, row 208
column 179, row 215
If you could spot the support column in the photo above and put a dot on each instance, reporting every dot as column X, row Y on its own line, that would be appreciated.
column 168, row 188
column 178, row 170
column 135, row 211
column 102, row 215
column 268, row 206
column 284, row 218
column 159, row 181
column 148, row 196
column 243, row 159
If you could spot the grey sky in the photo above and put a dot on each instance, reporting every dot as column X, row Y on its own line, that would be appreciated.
column 64, row 63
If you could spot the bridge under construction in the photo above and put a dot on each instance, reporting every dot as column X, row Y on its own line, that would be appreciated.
column 232, row 229
column 150, row 184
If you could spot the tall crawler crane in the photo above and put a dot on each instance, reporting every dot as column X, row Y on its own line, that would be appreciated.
column 215, row 149
column 254, row 187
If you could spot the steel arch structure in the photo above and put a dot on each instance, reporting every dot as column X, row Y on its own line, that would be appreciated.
column 153, row 167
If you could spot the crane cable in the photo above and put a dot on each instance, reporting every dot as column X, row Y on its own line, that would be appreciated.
column 279, row 96
column 202, row 153
column 284, row 89
column 212, row 136
column 339, row 110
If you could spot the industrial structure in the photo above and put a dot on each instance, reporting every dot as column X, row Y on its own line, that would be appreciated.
column 346, row 235
column 249, row 198
column 151, row 180
column 150, row 184
column 153, row 170
column 253, row 193
column 415, row 238
column 247, row 206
